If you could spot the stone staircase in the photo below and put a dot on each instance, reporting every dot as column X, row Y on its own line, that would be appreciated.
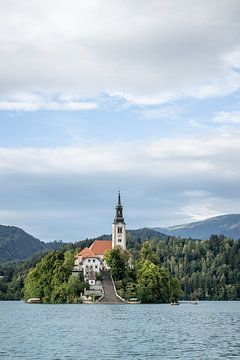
column 109, row 292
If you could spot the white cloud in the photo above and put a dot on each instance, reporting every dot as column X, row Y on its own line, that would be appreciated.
column 227, row 117
column 200, row 210
column 197, row 193
column 164, row 112
column 170, row 181
column 149, row 52
column 48, row 105
column 202, row 156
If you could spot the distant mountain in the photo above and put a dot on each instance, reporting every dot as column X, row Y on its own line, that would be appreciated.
column 16, row 244
column 145, row 234
column 228, row 225
column 138, row 235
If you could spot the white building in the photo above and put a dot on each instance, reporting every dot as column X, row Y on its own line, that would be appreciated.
column 91, row 260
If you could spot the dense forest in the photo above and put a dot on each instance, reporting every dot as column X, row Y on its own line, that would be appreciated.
column 206, row 269
column 12, row 277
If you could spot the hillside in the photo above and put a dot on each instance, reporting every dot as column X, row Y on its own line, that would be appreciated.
column 16, row 244
column 228, row 225
column 138, row 235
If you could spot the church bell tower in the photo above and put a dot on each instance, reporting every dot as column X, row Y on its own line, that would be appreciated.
column 119, row 227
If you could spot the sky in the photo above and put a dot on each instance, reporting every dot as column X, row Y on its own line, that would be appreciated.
column 104, row 95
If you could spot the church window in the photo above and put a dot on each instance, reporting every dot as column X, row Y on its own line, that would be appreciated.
column 93, row 260
column 119, row 240
column 89, row 260
column 119, row 230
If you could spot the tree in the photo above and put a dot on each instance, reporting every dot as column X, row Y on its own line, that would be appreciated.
column 117, row 260
column 153, row 283
column 176, row 290
column 51, row 279
column 146, row 253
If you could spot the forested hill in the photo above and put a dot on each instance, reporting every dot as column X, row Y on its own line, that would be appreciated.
column 138, row 235
column 228, row 225
column 206, row 269
column 16, row 244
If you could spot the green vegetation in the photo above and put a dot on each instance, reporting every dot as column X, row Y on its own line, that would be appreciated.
column 206, row 270
column 16, row 244
column 148, row 281
column 51, row 280
column 13, row 275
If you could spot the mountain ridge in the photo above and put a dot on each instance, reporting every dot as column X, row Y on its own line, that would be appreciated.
column 16, row 244
column 227, row 224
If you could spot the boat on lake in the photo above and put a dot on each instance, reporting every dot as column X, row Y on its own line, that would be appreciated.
column 34, row 301
column 134, row 301
column 174, row 303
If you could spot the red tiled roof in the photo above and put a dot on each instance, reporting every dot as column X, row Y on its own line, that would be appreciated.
column 99, row 247
column 86, row 252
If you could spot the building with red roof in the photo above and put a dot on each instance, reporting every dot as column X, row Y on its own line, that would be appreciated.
column 91, row 260
column 99, row 247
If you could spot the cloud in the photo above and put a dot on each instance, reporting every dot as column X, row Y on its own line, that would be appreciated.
column 34, row 106
column 227, row 117
column 200, row 210
column 146, row 52
column 168, row 157
column 164, row 112
column 69, row 192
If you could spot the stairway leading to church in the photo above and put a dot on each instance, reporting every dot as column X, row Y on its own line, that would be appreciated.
column 109, row 292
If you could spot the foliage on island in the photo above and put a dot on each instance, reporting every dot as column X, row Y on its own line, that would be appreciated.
column 148, row 280
column 12, row 277
column 206, row 270
column 51, row 280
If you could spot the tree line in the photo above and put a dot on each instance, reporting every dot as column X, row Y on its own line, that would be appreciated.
column 205, row 270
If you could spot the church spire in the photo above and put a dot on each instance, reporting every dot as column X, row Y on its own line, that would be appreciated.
column 119, row 199
column 119, row 227
column 119, row 211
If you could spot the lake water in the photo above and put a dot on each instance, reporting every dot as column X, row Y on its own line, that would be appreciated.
column 209, row 330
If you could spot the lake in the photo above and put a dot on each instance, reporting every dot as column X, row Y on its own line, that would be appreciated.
column 209, row 330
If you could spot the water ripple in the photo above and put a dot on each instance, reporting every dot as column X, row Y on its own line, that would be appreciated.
column 209, row 330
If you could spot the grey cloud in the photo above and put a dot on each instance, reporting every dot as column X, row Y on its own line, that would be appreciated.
column 56, row 193
column 139, row 49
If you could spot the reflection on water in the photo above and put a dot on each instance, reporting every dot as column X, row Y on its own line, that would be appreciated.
column 209, row 330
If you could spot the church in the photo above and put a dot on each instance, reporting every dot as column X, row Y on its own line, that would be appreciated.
column 91, row 260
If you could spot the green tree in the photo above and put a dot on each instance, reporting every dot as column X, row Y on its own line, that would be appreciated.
column 117, row 260
column 153, row 283
column 51, row 279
